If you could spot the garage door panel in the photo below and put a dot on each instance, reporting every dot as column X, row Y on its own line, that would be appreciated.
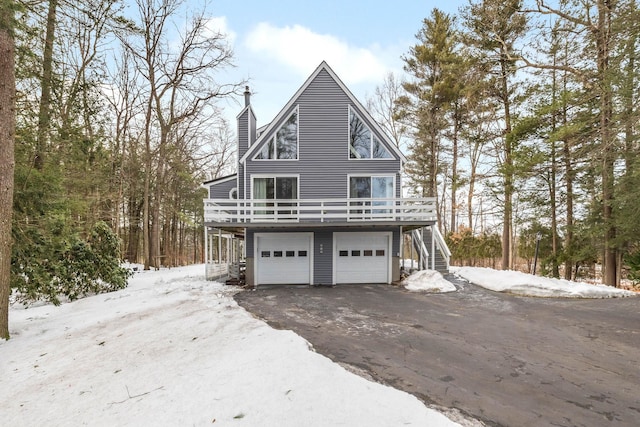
column 283, row 259
column 362, row 257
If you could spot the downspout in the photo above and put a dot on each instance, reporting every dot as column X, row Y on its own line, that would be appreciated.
column 424, row 263
column 401, row 257
column 206, row 253
column 219, row 246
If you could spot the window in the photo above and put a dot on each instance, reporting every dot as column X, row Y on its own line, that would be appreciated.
column 284, row 145
column 265, row 254
column 275, row 188
column 355, row 253
column 302, row 253
column 368, row 252
column 363, row 144
column 277, row 254
column 371, row 187
column 380, row 252
column 344, row 253
column 291, row 253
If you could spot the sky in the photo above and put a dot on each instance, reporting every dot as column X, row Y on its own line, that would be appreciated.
column 278, row 44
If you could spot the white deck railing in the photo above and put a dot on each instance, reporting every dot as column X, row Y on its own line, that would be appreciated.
column 319, row 210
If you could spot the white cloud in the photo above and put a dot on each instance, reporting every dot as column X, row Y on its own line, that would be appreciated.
column 218, row 24
column 302, row 50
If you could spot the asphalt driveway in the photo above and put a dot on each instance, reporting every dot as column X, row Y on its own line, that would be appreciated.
column 501, row 359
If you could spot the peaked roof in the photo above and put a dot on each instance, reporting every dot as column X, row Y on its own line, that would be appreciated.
column 323, row 66
column 220, row 179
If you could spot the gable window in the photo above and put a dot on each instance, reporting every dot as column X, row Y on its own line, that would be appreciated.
column 276, row 188
column 363, row 144
column 284, row 144
column 371, row 188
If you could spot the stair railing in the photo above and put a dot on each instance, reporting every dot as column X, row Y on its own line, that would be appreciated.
column 442, row 245
column 422, row 248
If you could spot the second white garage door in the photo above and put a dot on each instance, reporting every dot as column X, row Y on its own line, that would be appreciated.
column 362, row 257
column 283, row 258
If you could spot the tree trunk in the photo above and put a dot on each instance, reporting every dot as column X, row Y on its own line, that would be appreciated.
column 569, row 176
column 454, row 170
column 603, row 39
column 474, row 159
column 7, row 161
column 160, row 188
column 507, row 261
column 44, row 114
column 146, row 243
column 552, row 182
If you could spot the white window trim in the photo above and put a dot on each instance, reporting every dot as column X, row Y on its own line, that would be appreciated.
column 275, row 175
column 392, row 202
column 266, row 141
column 369, row 175
column 350, row 109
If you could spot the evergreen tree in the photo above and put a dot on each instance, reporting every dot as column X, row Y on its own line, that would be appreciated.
column 431, row 64
column 494, row 28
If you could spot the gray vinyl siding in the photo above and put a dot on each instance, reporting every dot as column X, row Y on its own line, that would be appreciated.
column 221, row 190
column 323, row 262
column 252, row 128
column 240, row 181
column 243, row 132
column 323, row 157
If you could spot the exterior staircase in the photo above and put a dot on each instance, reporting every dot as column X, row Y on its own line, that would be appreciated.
column 441, row 252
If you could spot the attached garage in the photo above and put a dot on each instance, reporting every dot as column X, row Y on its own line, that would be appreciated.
column 362, row 257
column 283, row 258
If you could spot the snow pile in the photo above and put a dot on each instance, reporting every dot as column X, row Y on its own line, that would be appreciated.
column 174, row 349
column 428, row 281
column 519, row 283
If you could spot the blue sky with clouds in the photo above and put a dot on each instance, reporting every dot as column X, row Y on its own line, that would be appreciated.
column 278, row 44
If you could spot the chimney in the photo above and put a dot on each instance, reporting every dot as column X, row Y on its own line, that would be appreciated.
column 247, row 96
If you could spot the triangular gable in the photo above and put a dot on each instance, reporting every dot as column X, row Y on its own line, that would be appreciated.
column 248, row 107
column 361, row 110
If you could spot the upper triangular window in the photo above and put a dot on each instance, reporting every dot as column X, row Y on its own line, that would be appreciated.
column 284, row 144
column 363, row 144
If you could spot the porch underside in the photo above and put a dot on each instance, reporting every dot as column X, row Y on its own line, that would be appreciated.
column 230, row 255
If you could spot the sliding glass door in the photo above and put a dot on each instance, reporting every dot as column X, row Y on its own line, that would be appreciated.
column 279, row 189
column 371, row 187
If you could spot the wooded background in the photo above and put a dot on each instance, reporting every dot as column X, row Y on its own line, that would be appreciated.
column 520, row 118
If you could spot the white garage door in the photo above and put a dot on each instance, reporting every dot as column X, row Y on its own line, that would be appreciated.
column 362, row 257
column 283, row 258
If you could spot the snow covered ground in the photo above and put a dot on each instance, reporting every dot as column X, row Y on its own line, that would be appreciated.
column 526, row 284
column 428, row 281
column 173, row 349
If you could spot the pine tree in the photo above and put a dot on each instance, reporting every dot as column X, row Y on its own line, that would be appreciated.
column 430, row 64
column 494, row 29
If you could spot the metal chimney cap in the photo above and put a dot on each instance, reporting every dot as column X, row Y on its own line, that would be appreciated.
column 247, row 96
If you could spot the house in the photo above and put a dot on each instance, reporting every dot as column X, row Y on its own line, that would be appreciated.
column 317, row 197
